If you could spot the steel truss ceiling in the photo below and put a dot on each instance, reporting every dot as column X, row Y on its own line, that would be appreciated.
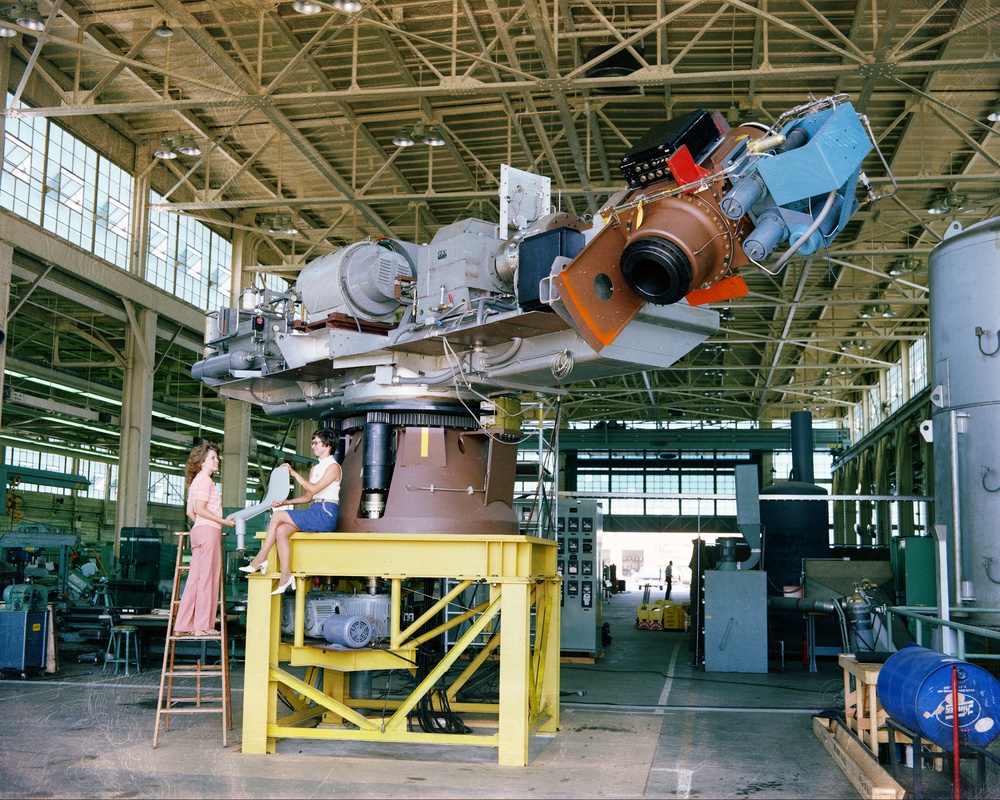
column 296, row 114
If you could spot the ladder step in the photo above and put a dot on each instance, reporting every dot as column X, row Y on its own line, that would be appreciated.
column 193, row 710
column 204, row 699
column 205, row 673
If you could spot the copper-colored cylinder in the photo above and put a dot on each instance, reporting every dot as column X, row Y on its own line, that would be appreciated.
column 443, row 480
column 681, row 243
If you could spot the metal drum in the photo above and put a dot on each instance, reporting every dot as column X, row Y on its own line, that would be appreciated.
column 914, row 687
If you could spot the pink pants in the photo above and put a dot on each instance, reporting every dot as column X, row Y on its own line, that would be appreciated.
column 199, row 604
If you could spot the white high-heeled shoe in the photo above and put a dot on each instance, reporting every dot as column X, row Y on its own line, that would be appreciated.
column 285, row 585
column 250, row 568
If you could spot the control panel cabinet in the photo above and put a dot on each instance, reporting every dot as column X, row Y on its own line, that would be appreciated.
column 578, row 532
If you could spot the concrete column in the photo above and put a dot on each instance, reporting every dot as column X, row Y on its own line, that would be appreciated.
column 140, row 225
column 137, row 417
column 236, row 445
column 303, row 437
column 6, row 270
column 6, row 250
column 235, row 454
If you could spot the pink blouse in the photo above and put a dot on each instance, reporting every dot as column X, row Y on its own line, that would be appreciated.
column 203, row 488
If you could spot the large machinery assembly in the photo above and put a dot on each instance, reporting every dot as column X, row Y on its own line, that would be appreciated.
column 420, row 356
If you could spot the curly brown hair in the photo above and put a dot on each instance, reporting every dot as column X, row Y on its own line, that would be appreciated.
column 196, row 459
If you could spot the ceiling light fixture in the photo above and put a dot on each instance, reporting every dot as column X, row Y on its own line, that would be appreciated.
column 994, row 115
column 180, row 144
column 429, row 135
column 307, row 7
column 904, row 265
column 404, row 139
column 166, row 149
column 278, row 223
column 163, row 30
column 432, row 138
column 6, row 32
column 947, row 202
column 187, row 146
column 27, row 16
column 347, row 6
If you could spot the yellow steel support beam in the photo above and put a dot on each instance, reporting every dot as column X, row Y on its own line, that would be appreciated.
column 321, row 699
column 454, row 622
column 441, row 668
column 521, row 573
column 484, row 653
column 547, row 645
column 435, row 609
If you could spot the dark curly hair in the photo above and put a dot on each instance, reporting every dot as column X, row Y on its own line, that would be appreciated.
column 327, row 437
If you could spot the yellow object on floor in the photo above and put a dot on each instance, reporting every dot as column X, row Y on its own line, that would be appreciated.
column 661, row 615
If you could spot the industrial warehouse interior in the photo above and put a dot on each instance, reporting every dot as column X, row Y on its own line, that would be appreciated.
column 658, row 345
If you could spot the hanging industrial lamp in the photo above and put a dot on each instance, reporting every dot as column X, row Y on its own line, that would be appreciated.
column 307, row 7
column 28, row 17
column 166, row 149
column 188, row 146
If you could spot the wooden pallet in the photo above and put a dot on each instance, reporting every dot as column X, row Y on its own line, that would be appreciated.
column 856, row 761
column 579, row 657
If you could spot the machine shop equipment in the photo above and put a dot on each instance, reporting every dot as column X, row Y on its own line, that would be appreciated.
column 421, row 354
column 24, row 628
column 320, row 605
column 39, row 554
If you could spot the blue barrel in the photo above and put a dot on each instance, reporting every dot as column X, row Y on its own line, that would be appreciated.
column 914, row 687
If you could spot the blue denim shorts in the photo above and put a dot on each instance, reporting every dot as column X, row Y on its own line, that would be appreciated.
column 319, row 517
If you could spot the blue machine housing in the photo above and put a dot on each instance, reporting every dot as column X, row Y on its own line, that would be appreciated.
column 783, row 189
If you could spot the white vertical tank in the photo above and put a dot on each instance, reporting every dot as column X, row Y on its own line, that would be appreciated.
column 964, row 359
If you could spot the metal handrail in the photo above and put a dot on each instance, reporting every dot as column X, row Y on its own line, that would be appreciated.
column 922, row 616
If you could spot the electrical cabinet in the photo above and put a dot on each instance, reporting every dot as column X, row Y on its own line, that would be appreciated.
column 23, row 635
column 914, row 570
column 579, row 525
column 735, row 621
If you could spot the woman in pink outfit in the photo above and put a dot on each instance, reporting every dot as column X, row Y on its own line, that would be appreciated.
column 199, row 604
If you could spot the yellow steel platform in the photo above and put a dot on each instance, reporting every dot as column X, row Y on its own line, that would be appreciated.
column 524, row 593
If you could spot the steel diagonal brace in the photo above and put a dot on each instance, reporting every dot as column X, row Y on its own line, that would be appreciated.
column 537, row 661
column 297, row 702
column 484, row 653
column 452, row 623
column 398, row 720
column 434, row 610
column 321, row 699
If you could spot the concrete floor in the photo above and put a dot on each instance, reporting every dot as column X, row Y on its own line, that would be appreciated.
column 647, row 726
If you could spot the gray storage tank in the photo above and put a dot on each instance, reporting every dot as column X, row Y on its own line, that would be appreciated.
column 964, row 358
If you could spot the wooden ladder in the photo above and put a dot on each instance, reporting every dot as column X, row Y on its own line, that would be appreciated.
column 189, row 675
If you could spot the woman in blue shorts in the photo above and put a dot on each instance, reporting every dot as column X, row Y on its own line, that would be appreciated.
column 322, row 490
